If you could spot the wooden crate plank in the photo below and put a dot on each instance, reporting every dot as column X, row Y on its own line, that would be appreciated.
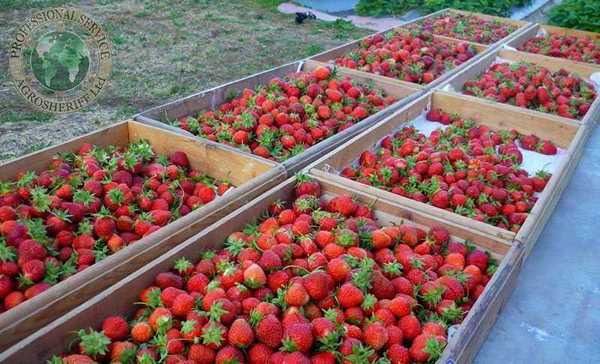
column 554, row 64
column 501, row 116
column 116, row 134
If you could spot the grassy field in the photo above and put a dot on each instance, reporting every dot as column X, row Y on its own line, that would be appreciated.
column 164, row 50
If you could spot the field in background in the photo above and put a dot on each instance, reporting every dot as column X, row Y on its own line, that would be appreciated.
column 163, row 50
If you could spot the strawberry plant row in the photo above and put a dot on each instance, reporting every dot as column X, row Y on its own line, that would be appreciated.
column 291, row 114
column 253, row 310
column 78, row 217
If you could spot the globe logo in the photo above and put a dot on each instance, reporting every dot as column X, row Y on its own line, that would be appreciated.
column 60, row 60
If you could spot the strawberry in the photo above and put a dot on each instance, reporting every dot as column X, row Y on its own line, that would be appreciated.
column 349, row 295
column 316, row 285
column 427, row 347
column 296, row 295
column 269, row 331
column 298, row 337
column 375, row 335
column 342, row 204
column 240, row 333
column 115, row 328
column 254, row 276
column 180, row 159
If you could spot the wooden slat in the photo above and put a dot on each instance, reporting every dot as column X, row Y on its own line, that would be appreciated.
column 29, row 316
column 568, row 31
column 116, row 134
column 118, row 299
column 216, row 162
column 518, row 23
column 501, row 116
column 483, row 228
column 465, row 343
column 392, row 86
column 544, row 207
column 391, row 213
column 554, row 64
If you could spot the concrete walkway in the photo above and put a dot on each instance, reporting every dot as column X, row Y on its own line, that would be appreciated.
column 377, row 24
column 553, row 316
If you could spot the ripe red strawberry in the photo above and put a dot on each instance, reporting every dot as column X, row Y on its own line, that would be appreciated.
column 375, row 335
column 269, row 331
column 33, row 270
column 410, row 326
column 180, row 159
column 259, row 354
column 298, row 337
column 160, row 217
column 342, row 204
column 478, row 258
column 427, row 347
column 115, row 328
column 182, row 305
column 240, row 333
column 104, row 227
column 349, row 295
column 254, row 276
column 316, row 285
column 229, row 354
column 296, row 294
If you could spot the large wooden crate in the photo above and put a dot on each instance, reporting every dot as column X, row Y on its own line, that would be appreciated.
column 455, row 84
column 212, row 98
column 250, row 176
column 536, row 29
column 331, row 55
column 119, row 299
column 521, row 25
column 564, row 133
column 482, row 49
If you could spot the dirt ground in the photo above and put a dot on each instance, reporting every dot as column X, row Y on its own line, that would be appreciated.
column 164, row 50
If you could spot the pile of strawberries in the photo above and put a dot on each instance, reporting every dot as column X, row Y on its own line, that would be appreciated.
column 318, row 281
column 409, row 56
column 534, row 87
column 466, row 27
column 582, row 49
column 465, row 168
column 286, row 116
column 88, row 205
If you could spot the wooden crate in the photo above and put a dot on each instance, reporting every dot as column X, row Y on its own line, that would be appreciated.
column 521, row 25
column 119, row 299
column 212, row 98
column 331, row 55
column 250, row 176
column 455, row 84
column 523, row 37
column 564, row 133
